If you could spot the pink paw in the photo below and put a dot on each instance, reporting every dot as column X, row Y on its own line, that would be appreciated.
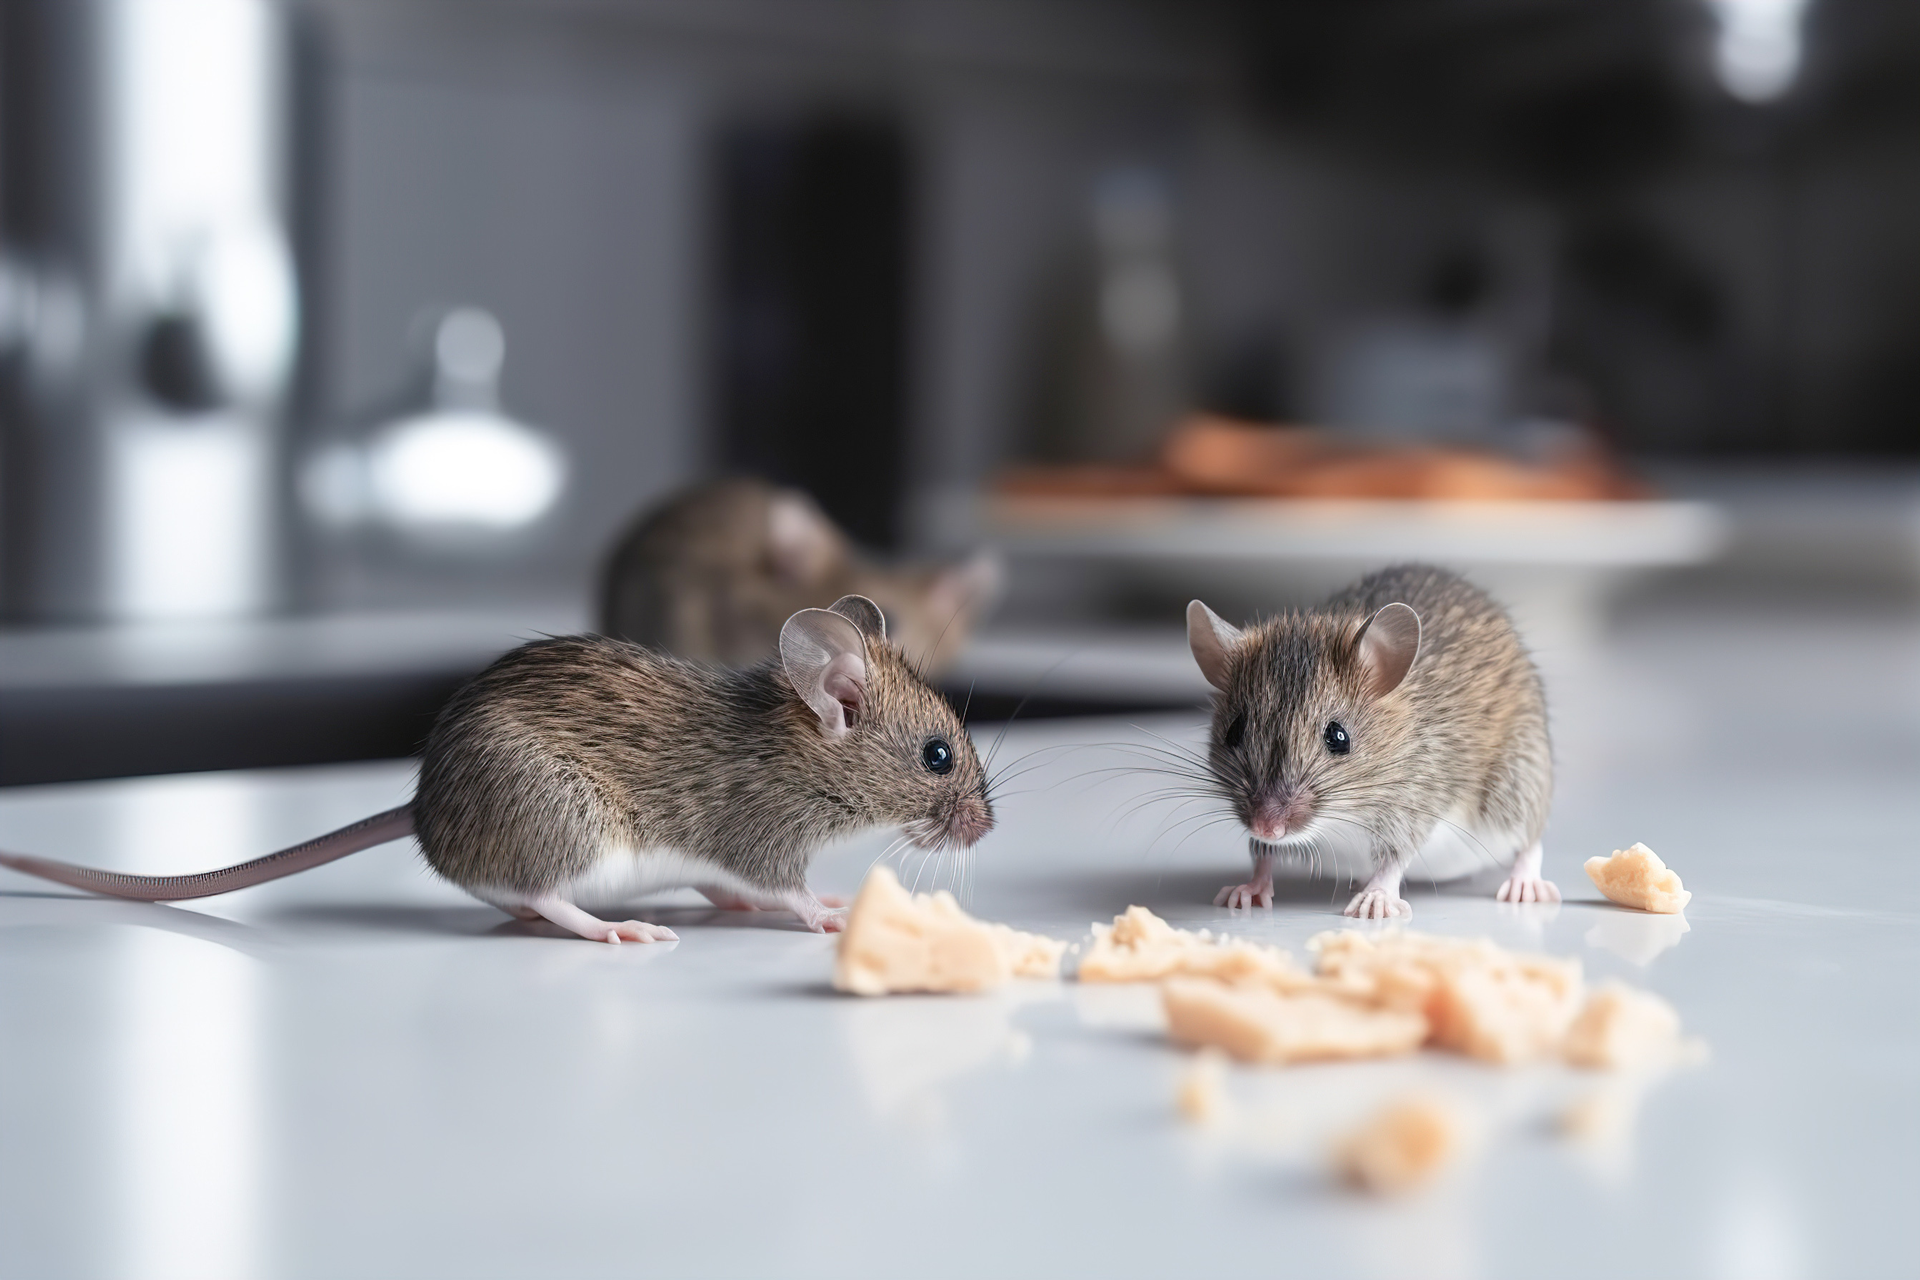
column 1239, row 896
column 823, row 921
column 637, row 931
column 1373, row 904
column 1528, row 889
column 831, row 900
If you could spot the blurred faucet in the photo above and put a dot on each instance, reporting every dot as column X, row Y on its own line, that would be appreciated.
column 148, row 307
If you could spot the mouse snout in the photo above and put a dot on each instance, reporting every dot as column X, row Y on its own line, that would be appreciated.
column 969, row 819
column 1279, row 813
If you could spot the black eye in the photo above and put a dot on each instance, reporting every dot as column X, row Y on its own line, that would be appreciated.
column 937, row 756
column 1235, row 732
column 1336, row 738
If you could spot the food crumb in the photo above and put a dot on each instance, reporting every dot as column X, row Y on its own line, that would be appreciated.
column 1202, row 1095
column 896, row 941
column 1622, row 1027
column 1254, row 1024
column 1401, row 1148
column 1141, row 947
column 1635, row 877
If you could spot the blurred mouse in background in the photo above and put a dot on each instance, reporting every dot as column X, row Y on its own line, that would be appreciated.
column 712, row 572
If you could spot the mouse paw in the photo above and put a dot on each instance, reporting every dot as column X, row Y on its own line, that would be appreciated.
column 1528, row 888
column 1377, row 904
column 824, row 920
column 1236, row 897
column 639, row 931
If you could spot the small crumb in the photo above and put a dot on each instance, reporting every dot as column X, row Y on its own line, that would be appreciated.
column 1622, row 1027
column 897, row 941
column 1257, row 1025
column 1202, row 1095
column 1602, row 1115
column 1635, row 877
column 1141, row 947
column 1403, row 1147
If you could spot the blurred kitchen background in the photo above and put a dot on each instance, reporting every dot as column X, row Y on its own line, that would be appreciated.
column 340, row 341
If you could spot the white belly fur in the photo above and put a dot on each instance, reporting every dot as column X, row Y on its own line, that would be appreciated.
column 624, row 873
column 1455, row 849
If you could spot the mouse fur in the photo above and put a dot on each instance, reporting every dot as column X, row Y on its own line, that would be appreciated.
column 713, row 571
column 1445, row 725
column 586, row 768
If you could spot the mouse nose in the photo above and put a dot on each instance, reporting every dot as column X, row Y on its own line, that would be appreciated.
column 969, row 819
column 1279, row 813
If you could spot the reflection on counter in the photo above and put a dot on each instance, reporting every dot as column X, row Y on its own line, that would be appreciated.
column 192, row 1182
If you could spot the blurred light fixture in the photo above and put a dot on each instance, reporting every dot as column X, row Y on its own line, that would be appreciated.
column 461, row 464
column 1757, row 52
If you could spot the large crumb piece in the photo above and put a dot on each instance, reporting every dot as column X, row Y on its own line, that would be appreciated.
column 1479, row 999
column 1636, row 877
column 1254, row 1024
column 1029, row 955
column 897, row 941
column 1202, row 1096
column 1141, row 947
column 1621, row 1027
column 1401, row 1148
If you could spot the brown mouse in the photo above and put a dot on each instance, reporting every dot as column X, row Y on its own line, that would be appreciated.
column 714, row 571
column 1404, row 714
column 581, row 771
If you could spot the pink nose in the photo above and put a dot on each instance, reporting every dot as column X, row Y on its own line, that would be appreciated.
column 1274, row 818
column 970, row 820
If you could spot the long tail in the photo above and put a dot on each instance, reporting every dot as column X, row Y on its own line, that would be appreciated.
column 364, row 834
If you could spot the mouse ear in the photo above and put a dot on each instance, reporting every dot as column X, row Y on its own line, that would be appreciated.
column 1388, row 643
column 825, row 658
column 864, row 614
column 1212, row 639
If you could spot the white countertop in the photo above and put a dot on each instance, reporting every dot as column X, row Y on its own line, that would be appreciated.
column 361, row 1072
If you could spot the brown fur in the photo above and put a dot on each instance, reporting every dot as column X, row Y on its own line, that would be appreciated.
column 705, row 576
column 1468, row 725
column 566, row 746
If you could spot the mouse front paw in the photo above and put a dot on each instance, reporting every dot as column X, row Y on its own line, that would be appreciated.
column 1377, row 904
column 1237, row 897
column 1527, row 888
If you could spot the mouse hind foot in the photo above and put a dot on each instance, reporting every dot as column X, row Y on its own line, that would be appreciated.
column 594, row 929
column 1524, row 883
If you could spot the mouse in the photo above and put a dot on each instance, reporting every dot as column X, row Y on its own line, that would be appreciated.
column 582, row 771
column 1404, row 717
column 712, row 571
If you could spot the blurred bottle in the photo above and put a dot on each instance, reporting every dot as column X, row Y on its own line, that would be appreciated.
column 1124, row 380
column 148, row 307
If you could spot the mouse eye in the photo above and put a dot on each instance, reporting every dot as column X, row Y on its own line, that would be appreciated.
column 1235, row 733
column 1336, row 738
column 937, row 756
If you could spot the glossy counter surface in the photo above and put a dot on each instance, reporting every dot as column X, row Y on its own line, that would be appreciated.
column 362, row 1072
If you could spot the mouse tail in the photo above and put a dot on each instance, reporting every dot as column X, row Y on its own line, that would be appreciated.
column 364, row 834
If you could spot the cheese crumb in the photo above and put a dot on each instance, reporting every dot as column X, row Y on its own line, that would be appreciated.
column 1478, row 999
column 1141, row 947
column 1636, row 877
column 1621, row 1027
column 896, row 941
column 1258, row 1025
column 1202, row 1096
column 1401, row 1148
